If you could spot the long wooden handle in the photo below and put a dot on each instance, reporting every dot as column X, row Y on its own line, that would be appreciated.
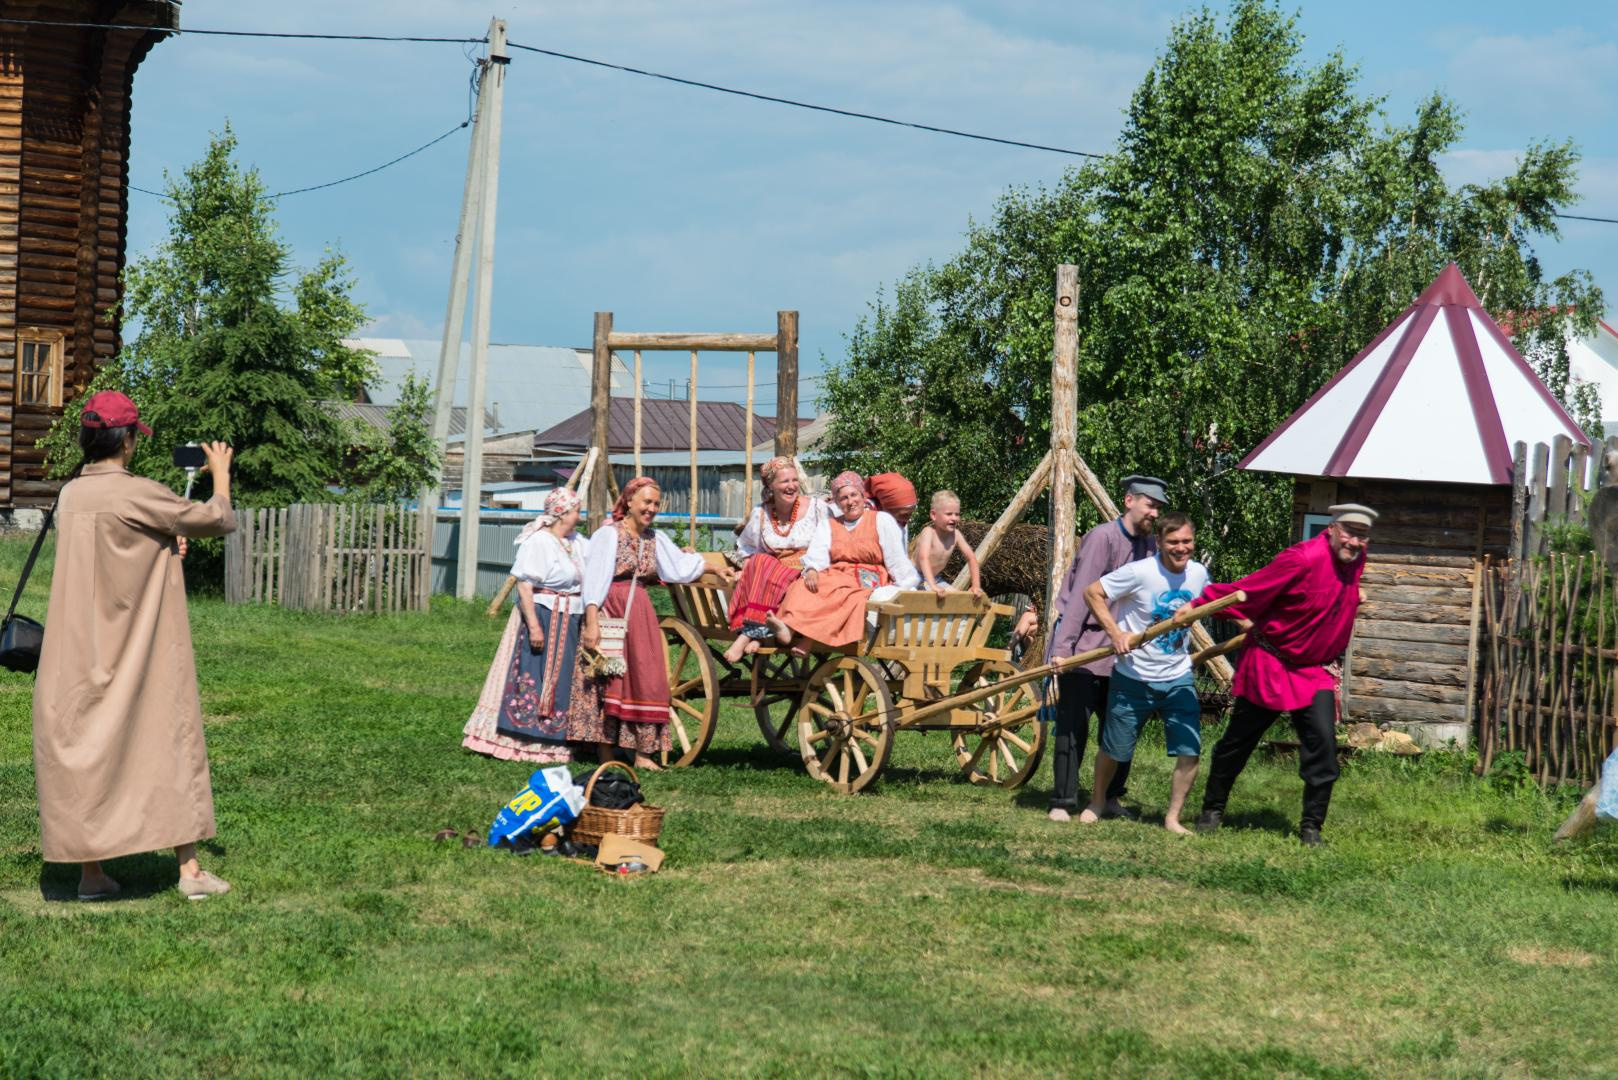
column 1182, row 618
column 1204, row 655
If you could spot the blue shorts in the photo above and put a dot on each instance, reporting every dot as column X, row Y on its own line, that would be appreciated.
column 1130, row 703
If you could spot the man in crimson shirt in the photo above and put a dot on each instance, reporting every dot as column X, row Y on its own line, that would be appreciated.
column 1298, row 614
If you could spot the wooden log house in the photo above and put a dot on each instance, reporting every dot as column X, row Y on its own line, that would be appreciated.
column 64, row 156
column 1420, row 427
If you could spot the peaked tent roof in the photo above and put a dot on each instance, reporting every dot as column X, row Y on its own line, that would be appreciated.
column 1439, row 395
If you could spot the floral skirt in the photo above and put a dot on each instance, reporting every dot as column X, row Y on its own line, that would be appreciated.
column 635, row 712
column 583, row 708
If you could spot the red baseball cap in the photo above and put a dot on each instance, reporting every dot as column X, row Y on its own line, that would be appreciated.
column 109, row 409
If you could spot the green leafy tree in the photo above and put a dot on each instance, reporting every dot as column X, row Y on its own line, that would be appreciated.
column 1258, row 222
column 396, row 464
column 230, row 342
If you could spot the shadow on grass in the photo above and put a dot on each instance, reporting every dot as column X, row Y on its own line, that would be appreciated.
column 1590, row 885
column 140, row 876
column 1268, row 819
column 756, row 758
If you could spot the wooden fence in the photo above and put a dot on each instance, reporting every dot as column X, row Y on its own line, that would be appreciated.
column 1550, row 665
column 1553, row 481
column 329, row 557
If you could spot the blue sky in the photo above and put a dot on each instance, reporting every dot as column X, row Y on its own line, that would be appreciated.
column 680, row 209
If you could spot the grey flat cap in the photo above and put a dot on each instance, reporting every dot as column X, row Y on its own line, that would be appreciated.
column 1352, row 514
column 1150, row 486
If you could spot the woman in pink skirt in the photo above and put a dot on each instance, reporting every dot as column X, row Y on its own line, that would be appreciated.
column 773, row 541
column 626, row 555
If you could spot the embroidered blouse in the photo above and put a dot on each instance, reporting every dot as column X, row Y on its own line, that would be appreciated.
column 760, row 535
column 601, row 562
column 901, row 570
column 548, row 562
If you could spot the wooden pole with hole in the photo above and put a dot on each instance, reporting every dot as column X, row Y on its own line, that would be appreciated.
column 691, row 536
column 1064, row 434
column 638, row 396
column 747, row 439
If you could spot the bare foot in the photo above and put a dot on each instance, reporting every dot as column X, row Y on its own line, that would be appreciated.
column 752, row 647
column 733, row 655
column 1089, row 816
column 782, row 632
column 647, row 764
column 1176, row 828
column 1058, row 814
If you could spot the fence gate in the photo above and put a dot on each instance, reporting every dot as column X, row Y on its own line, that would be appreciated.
column 329, row 557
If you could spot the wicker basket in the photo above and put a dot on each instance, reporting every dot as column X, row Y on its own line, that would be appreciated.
column 639, row 822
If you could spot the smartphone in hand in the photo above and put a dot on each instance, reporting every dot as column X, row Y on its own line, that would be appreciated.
column 189, row 456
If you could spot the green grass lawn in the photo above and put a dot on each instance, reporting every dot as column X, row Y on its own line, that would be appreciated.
column 930, row 928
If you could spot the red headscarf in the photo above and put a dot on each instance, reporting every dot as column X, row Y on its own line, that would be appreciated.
column 889, row 491
column 620, row 509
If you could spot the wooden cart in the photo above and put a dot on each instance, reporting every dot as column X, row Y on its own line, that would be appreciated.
column 839, row 711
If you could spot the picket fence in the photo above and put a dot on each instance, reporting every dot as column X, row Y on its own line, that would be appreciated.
column 329, row 557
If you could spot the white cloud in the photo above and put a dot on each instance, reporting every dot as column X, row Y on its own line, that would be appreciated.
column 1534, row 77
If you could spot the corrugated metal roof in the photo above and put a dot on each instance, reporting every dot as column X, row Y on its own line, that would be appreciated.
column 527, row 387
column 665, row 425
column 376, row 416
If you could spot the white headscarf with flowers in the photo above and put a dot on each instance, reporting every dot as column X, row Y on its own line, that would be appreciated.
column 560, row 501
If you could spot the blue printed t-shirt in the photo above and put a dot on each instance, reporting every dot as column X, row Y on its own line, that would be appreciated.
column 1143, row 593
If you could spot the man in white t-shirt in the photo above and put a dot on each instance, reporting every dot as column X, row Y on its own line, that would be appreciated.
column 1154, row 677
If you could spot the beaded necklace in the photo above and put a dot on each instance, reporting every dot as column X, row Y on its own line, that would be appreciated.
column 775, row 526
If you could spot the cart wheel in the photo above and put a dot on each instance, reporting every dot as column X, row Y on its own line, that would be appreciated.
column 693, row 692
column 777, row 687
column 840, row 743
column 1007, row 755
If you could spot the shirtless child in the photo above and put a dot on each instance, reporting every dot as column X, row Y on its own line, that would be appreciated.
column 940, row 539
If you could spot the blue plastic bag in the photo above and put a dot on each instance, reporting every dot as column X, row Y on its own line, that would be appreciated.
column 1607, row 796
column 549, row 800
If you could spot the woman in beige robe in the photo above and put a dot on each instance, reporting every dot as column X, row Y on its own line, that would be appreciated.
column 118, row 749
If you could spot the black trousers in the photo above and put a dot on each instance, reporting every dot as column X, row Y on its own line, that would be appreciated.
column 1317, row 754
column 1079, row 694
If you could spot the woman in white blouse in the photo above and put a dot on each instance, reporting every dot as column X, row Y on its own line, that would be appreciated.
column 537, row 691
column 626, row 555
column 852, row 559
column 773, row 541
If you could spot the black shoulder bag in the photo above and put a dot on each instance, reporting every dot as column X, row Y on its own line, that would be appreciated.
column 21, row 638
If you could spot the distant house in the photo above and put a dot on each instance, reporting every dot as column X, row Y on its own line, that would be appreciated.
column 1593, row 359
column 527, row 389
column 665, row 450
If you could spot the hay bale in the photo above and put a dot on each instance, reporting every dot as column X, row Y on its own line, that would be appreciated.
column 1019, row 565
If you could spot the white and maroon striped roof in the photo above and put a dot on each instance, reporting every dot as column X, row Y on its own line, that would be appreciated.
column 1440, row 396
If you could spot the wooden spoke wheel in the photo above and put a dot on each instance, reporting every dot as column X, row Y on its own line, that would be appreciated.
column 693, row 692
column 994, row 754
column 845, row 723
column 778, row 681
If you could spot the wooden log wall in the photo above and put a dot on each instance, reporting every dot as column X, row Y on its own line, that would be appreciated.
column 64, row 143
column 1412, row 656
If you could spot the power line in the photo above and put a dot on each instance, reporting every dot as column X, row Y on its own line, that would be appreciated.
column 333, row 183
column 803, row 104
column 679, row 80
column 243, row 33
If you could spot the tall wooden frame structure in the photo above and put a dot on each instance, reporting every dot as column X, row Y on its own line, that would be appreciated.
column 606, row 341
column 64, row 184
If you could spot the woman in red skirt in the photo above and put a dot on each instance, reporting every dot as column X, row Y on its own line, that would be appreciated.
column 626, row 555
column 773, row 541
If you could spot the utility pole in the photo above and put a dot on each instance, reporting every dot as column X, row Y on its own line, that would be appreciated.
column 490, row 99
column 449, row 350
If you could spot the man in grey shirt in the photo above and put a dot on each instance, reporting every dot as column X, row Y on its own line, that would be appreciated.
column 1082, row 691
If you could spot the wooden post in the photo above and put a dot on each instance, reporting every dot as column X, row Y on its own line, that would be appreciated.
column 747, row 453
column 1064, row 428
column 493, row 88
column 1519, row 500
column 596, row 500
column 691, row 537
column 638, row 396
column 1014, row 510
column 786, row 384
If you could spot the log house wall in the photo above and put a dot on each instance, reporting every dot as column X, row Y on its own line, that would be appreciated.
column 64, row 141
column 1412, row 655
